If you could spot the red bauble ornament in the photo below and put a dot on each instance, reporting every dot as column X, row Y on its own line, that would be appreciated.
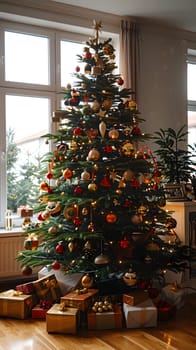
column 59, row 248
column 136, row 131
column 108, row 149
column 124, row 243
column 77, row 221
column 78, row 190
column 111, row 218
column 77, row 131
column 26, row 271
column 127, row 203
column 120, row 81
column 56, row 265
column 77, row 69
column 49, row 176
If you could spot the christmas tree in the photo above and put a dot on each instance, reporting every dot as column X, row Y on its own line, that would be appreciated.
column 101, row 205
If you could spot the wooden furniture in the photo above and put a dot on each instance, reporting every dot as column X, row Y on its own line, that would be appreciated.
column 181, row 212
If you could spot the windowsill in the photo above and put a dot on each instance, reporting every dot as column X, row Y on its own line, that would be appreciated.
column 15, row 231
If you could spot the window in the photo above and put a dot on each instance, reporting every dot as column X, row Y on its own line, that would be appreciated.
column 191, row 93
column 36, row 66
column 38, row 63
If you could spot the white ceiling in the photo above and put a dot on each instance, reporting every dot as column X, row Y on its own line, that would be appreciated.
column 180, row 14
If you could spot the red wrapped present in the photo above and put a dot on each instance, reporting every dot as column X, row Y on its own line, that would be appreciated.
column 26, row 288
column 79, row 300
column 39, row 311
column 105, row 320
column 165, row 310
column 135, row 297
column 47, row 288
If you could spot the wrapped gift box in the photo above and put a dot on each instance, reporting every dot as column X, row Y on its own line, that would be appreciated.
column 15, row 305
column 24, row 211
column 26, row 288
column 135, row 297
column 67, row 282
column 39, row 311
column 62, row 321
column 80, row 301
column 140, row 316
column 105, row 320
column 165, row 310
column 48, row 288
column 173, row 295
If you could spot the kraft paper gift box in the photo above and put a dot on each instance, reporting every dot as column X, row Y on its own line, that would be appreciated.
column 47, row 288
column 105, row 320
column 15, row 305
column 135, row 297
column 67, row 282
column 140, row 316
column 173, row 295
column 24, row 211
column 80, row 301
column 62, row 319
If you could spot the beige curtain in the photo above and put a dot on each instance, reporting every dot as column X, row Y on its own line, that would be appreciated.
column 130, row 55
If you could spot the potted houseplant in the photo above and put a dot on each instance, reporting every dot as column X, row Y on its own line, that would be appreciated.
column 175, row 159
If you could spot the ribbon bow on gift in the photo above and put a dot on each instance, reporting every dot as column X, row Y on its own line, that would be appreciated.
column 62, row 307
column 49, row 287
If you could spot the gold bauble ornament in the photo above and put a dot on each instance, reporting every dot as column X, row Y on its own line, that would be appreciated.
column 85, row 176
column 93, row 155
column 87, row 281
column 52, row 230
column 113, row 134
column 101, row 259
column 92, row 187
column 128, row 175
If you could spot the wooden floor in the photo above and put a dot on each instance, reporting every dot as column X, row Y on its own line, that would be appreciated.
column 178, row 333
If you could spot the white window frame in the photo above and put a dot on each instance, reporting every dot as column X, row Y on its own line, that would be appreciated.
column 50, row 91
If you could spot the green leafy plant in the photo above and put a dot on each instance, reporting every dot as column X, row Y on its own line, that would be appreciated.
column 175, row 159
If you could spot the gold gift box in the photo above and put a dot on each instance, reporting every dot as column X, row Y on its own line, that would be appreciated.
column 62, row 321
column 80, row 301
column 15, row 305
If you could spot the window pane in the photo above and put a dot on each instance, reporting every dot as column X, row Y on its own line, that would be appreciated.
column 26, row 58
column 192, row 127
column 69, row 52
column 191, row 71
column 26, row 120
